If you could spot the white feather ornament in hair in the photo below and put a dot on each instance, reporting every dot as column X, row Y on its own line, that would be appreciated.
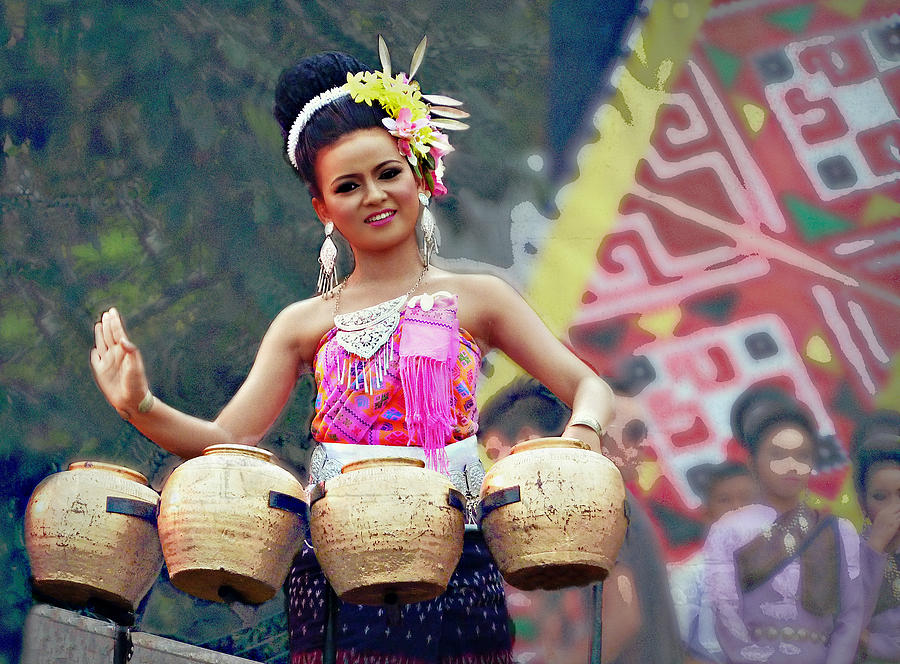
column 385, row 57
column 447, row 123
column 418, row 56
column 448, row 112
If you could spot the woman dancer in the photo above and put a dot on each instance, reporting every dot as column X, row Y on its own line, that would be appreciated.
column 878, row 488
column 394, row 349
column 782, row 578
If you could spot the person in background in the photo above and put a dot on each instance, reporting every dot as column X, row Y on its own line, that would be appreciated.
column 878, row 488
column 638, row 623
column 782, row 578
column 722, row 487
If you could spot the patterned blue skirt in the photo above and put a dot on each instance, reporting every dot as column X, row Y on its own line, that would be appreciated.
column 468, row 624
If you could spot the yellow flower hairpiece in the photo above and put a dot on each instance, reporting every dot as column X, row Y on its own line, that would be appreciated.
column 415, row 120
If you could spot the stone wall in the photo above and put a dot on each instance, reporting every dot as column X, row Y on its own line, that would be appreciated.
column 55, row 635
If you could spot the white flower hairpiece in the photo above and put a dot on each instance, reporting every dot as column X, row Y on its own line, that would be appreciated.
column 313, row 105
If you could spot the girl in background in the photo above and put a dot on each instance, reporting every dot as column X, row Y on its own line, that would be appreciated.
column 878, row 488
column 782, row 578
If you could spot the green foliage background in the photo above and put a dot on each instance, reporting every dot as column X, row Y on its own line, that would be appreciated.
column 141, row 168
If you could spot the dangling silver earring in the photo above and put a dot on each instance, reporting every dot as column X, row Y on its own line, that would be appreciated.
column 429, row 229
column 327, row 262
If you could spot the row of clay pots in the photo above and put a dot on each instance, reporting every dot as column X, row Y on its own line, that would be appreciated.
column 553, row 515
column 384, row 531
column 226, row 524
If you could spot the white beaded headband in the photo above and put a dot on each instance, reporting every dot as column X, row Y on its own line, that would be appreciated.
column 313, row 105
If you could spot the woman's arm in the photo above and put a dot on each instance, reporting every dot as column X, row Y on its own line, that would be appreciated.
column 119, row 372
column 620, row 612
column 871, row 566
column 849, row 622
column 508, row 323
column 884, row 644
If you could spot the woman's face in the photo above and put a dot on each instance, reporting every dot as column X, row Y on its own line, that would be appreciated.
column 882, row 488
column 367, row 190
column 729, row 494
column 784, row 462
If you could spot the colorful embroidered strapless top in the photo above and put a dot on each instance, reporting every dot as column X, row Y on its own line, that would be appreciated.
column 360, row 392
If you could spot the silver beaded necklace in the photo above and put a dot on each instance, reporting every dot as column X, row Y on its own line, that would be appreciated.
column 364, row 335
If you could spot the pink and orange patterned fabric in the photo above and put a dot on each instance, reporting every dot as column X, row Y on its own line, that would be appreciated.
column 350, row 414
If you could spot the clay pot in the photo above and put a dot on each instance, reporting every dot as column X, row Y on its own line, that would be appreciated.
column 387, row 531
column 230, row 523
column 90, row 533
column 553, row 514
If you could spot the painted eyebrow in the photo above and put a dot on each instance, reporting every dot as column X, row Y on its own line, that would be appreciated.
column 346, row 176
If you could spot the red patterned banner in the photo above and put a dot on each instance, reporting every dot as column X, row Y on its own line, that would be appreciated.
column 760, row 240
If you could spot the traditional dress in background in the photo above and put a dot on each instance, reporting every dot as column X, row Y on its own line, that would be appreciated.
column 784, row 589
column 881, row 589
column 693, row 609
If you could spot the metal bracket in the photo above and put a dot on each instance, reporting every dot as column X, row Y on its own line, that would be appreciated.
column 597, row 632
column 287, row 502
column 497, row 499
column 123, row 648
column 132, row 507
column 457, row 500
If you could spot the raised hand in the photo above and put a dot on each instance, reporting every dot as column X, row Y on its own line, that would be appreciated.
column 117, row 365
column 884, row 536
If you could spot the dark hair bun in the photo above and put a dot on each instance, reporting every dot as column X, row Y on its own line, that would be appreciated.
column 342, row 116
column 308, row 78
column 762, row 406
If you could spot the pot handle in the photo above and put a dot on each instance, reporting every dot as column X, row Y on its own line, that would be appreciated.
column 287, row 502
column 457, row 500
column 133, row 507
column 497, row 499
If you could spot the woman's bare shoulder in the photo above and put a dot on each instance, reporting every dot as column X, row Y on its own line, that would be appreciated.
column 481, row 297
column 471, row 285
column 302, row 324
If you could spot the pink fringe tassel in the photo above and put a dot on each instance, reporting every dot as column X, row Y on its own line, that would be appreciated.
column 427, row 391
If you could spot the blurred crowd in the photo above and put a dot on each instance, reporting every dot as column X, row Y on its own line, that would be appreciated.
column 774, row 579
